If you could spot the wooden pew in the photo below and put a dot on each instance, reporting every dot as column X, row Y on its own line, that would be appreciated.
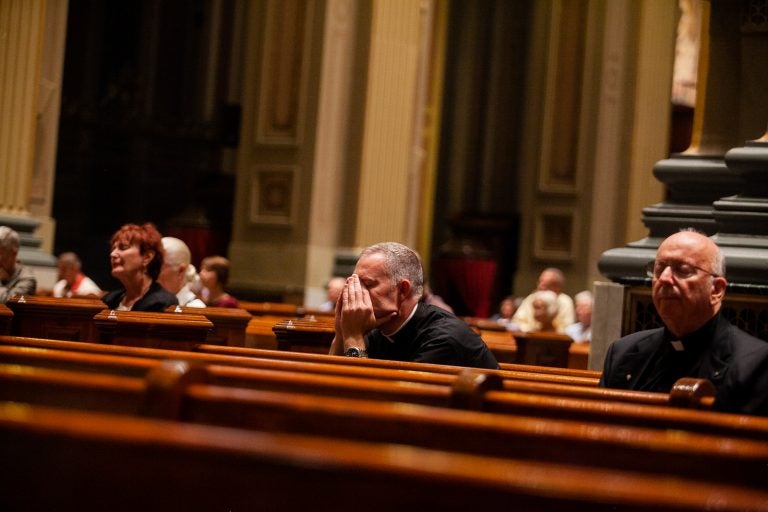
column 471, row 390
column 259, row 333
column 229, row 324
column 383, row 363
column 305, row 335
column 65, row 459
column 542, row 349
column 282, row 309
column 416, row 372
column 52, row 317
column 174, row 390
column 80, row 319
column 180, row 331
column 6, row 319
column 479, row 395
column 578, row 355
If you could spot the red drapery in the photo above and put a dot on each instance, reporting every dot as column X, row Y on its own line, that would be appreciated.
column 466, row 284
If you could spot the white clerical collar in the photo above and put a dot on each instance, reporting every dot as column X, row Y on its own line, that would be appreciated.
column 677, row 345
column 413, row 312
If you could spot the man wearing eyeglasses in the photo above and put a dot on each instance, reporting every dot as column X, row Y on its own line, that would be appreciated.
column 696, row 340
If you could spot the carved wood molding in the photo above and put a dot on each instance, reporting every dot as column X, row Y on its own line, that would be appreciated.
column 285, row 63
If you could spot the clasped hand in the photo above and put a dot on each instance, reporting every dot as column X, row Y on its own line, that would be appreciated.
column 354, row 311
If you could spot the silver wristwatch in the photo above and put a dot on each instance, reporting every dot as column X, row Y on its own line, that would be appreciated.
column 355, row 352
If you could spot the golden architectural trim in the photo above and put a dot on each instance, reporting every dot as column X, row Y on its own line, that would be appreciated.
column 285, row 64
column 22, row 25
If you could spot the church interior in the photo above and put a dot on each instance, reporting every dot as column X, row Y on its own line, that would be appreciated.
column 495, row 138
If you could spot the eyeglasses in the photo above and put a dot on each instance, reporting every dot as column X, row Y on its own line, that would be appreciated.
column 680, row 270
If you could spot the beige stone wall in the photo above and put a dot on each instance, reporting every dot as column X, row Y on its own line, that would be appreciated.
column 582, row 193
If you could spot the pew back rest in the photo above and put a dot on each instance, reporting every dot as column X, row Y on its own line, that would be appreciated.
column 229, row 324
column 140, row 464
column 54, row 317
column 152, row 329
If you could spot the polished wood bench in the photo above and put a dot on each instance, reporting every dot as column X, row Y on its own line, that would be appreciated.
column 178, row 391
column 54, row 317
column 312, row 363
column 141, row 464
column 502, row 402
column 282, row 309
column 542, row 349
column 471, row 390
column 305, row 335
column 6, row 319
column 592, row 375
column 259, row 333
column 174, row 390
column 152, row 329
column 229, row 324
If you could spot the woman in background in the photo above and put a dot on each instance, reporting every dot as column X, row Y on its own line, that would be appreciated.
column 214, row 275
column 136, row 258
column 507, row 309
column 545, row 308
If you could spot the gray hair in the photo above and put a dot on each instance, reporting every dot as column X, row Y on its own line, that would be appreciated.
column 9, row 239
column 401, row 262
column 718, row 265
column 586, row 295
column 549, row 298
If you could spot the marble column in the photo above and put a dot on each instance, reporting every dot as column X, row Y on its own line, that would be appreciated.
column 387, row 181
column 699, row 176
column 24, row 38
column 331, row 150
column 21, row 37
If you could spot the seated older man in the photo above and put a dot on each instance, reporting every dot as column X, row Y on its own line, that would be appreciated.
column 15, row 278
column 696, row 340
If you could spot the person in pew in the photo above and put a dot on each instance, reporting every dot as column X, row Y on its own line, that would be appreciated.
column 545, row 308
column 136, row 258
column 15, row 278
column 380, row 315
column 696, row 339
column 72, row 281
column 507, row 309
column 333, row 292
column 551, row 279
column 214, row 275
column 178, row 273
column 581, row 330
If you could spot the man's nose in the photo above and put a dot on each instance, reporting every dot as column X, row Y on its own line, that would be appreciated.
column 666, row 273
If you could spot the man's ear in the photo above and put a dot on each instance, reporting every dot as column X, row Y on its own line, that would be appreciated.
column 718, row 289
column 405, row 288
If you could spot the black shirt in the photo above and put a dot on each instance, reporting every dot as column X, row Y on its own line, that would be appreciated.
column 157, row 298
column 678, row 357
column 432, row 335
